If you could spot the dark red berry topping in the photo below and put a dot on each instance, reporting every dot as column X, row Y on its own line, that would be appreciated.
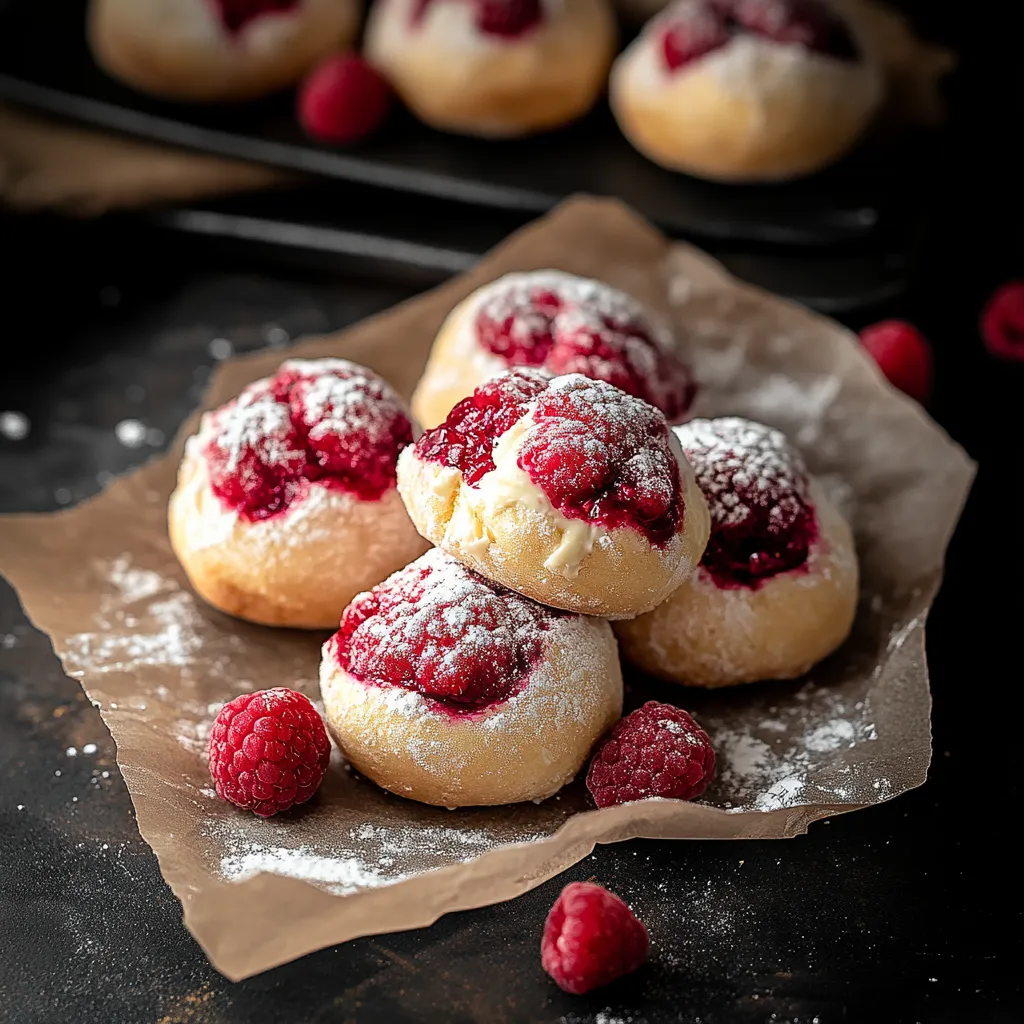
column 694, row 28
column 564, row 324
column 326, row 421
column 903, row 355
column 657, row 750
column 506, row 19
column 236, row 14
column 598, row 454
column 465, row 441
column 1002, row 322
column 268, row 751
column 604, row 456
column 755, row 483
column 441, row 630
column 343, row 100
column 591, row 938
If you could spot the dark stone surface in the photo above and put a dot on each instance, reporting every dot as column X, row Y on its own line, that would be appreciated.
column 906, row 912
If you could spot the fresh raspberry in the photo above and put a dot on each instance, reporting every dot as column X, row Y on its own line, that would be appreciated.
column 507, row 18
column 1002, row 321
column 903, row 355
column 343, row 100
column 657, row 750
column 268, row 751
column 236, row 14
column 591, row 938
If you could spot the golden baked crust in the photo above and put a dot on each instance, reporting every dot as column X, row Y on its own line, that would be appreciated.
column 299, row 569
column 524, row 748
column 707, row 636
column 177, row 49
column 457, row 79
column 621, row 574
column 751, row 111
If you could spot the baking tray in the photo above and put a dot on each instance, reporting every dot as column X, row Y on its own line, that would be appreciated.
column 401, row 238
column 45, row 64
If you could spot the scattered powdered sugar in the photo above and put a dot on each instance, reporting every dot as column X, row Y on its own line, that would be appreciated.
column 792, row 753
column 366, row 857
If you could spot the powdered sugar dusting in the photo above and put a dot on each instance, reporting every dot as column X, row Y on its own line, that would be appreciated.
column 732, row 457
column 441, row 630
column 791, row 750
column 365, row 857
column 563, row 324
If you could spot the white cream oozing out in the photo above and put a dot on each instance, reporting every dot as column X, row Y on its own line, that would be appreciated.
column 506, row 486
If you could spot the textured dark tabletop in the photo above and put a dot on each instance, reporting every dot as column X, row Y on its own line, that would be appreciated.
column 906, row 912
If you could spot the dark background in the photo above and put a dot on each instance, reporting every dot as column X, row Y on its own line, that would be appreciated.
column 906, row 912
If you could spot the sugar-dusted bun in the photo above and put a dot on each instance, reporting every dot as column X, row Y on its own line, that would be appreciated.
column 567, row 490
column 746, row 90
column 496, row 68
column 445, row 688
column 777, row 589
column 286, row 505
column 556, row 323
column 217, row 50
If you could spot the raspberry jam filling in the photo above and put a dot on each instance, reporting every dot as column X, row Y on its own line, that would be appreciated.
column 697, row 27
column 327, row 421
column 439, row 629
column 563, row 324
column 236, row 14
column 465, row 441
column 599, row 455
column 755, row 483
column 505, row 19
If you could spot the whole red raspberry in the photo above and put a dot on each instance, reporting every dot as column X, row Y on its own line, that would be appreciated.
column 508, row 18
column 268, row 751
column 903, row 355
column 591, row 938
column 657, row 750
column 1002, row 321
column 343, row 100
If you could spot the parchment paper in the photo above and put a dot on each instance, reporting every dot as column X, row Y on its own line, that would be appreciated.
column 101, row 580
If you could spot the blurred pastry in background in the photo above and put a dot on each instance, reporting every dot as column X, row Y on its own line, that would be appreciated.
column 747, row 90
column 217, row 50
column 494, row 68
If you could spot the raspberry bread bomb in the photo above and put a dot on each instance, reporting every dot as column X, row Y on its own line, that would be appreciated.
column 286, row 505
column 746, row 90
column 494, row 68
column 567, row 490
column 556, row 323
column 776, row 590
column 445, row 688
column 217, row 50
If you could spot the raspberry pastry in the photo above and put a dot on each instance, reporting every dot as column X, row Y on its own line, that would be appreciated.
column 217, row 50
column 776, row 590
column 567, row 490
column 495, row 68
column 746, row 90
column 559, row 324
column 446, row 688
column 286, row 505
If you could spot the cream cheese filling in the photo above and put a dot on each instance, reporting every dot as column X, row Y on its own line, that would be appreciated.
column 509, row 485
